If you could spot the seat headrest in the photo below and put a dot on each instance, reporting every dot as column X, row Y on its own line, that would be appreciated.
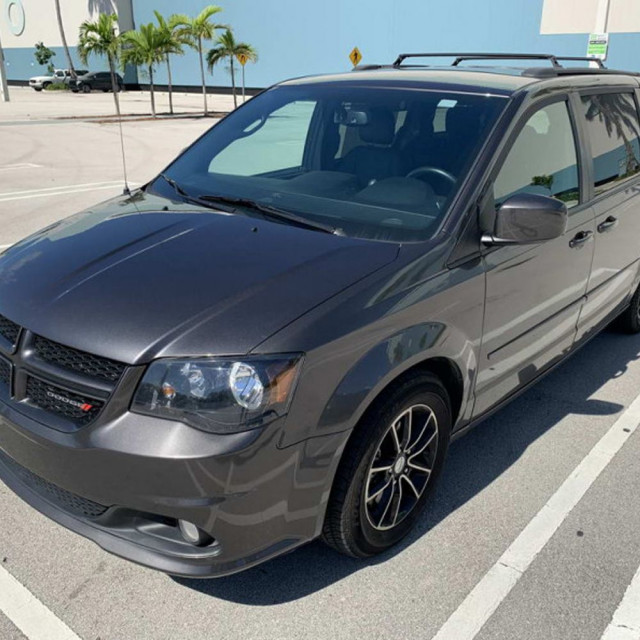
column 418, row 126
column 381, row 127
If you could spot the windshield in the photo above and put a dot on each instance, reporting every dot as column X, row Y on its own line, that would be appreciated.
column 371, row 162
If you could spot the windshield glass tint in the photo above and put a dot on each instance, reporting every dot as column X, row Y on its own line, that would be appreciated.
column 378, row 163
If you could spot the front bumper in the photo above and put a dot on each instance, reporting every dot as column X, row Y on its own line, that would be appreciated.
column 125, row 483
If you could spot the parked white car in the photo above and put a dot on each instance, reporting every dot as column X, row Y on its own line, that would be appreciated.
column 58, row 77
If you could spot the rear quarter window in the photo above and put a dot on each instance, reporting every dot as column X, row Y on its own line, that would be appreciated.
column 614, row 134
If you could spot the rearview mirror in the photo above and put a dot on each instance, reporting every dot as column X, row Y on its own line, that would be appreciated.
column 527, row 218
column 350, row 117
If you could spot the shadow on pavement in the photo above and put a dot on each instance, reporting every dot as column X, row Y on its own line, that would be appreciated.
column 474, row 462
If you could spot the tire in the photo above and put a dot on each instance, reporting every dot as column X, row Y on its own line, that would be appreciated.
column 37, row 88
column 629, row 320
column 45, row 85
column 372, row 506
column 86, row 88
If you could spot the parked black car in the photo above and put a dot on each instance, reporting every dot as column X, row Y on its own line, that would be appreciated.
column 95, row 80
column 277, row 338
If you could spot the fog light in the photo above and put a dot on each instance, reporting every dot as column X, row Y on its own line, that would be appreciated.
column 194, row 535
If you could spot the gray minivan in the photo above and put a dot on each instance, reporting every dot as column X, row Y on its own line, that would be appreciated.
column 278, row 336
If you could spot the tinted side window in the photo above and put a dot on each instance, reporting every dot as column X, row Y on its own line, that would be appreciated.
column 613, row 129
column 543, row 159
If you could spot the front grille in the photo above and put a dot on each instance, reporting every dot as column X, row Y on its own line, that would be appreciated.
column 35, row 371
column 76, row 360
column 9, row 330
column 5, row 372
column 79, row 409
column 64, row 499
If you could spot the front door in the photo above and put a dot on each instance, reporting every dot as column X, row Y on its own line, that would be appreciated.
column 534, row 292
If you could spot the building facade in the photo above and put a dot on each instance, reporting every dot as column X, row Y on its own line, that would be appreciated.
column 295, row 38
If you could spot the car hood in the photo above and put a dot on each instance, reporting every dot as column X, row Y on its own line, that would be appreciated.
column 141, row 277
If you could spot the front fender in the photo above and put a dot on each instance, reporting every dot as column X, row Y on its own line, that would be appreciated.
column 360, row 341
column 383, row 364
column 370, row 375
column 356, row 347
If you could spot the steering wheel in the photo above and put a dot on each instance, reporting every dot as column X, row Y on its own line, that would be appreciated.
column 424, row 172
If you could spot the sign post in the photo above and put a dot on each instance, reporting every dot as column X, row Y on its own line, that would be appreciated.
column 3, row 77
column 242, row 59
column 355, row 56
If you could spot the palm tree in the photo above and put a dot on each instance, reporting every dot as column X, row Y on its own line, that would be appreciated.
column 229, row 48
column 146, row 46
column 175, row 40
column 196, row 31
column 64, row 39
column 99, row 38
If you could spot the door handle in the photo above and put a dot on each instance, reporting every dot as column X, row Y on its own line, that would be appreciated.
column 580, row 238
column 609, row 223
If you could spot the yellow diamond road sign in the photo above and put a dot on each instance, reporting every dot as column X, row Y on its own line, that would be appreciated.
column 242, row 58
column 355, row 56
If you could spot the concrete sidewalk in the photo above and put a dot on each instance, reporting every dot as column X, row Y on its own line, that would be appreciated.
column 27, row 104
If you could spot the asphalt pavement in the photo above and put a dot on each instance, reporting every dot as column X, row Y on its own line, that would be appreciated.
column 564, row 456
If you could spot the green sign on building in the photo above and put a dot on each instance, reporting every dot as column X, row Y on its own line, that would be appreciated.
column 598, row 45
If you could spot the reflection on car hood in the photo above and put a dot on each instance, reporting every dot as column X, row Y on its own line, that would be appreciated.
column 141, row 277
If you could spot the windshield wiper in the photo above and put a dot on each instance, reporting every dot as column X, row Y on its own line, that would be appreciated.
column 270, row 211
column 188, row 197
column 208, row 200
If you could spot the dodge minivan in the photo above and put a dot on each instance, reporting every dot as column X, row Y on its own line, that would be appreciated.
column 277, row 337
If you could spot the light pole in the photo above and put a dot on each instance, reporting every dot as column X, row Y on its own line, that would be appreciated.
column 3, row 76
column 602, row 16
column 602, row 20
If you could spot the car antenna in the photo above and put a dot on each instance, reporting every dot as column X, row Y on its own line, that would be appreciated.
column 126, row 191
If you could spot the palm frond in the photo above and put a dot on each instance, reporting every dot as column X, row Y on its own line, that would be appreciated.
column 228, row 48
column 99, row 37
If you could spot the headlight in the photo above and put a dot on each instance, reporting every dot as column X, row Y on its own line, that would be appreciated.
column 221, row 395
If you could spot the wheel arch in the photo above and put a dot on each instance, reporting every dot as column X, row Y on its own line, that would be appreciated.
column 444, row 369
column 440, row 350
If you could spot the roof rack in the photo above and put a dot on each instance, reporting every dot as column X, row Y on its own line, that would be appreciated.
column 460, row 57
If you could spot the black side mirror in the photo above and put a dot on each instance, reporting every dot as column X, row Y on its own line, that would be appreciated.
column 527, row 218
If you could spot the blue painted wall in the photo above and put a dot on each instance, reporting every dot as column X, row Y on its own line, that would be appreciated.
column 21, row 63
column 299, row 37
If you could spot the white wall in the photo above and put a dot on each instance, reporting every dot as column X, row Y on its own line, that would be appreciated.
column 579, row 16
column 40, row 22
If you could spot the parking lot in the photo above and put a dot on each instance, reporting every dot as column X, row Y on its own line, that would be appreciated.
column 563, row 457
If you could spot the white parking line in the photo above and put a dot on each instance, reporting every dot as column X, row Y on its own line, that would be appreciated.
column 625, row 624
column 19, row 165
column 28, row 614
column 59, row 191
column 474, row 611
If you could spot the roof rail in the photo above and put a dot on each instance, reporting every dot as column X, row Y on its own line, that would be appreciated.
column 460, row 57
column 583, row 59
